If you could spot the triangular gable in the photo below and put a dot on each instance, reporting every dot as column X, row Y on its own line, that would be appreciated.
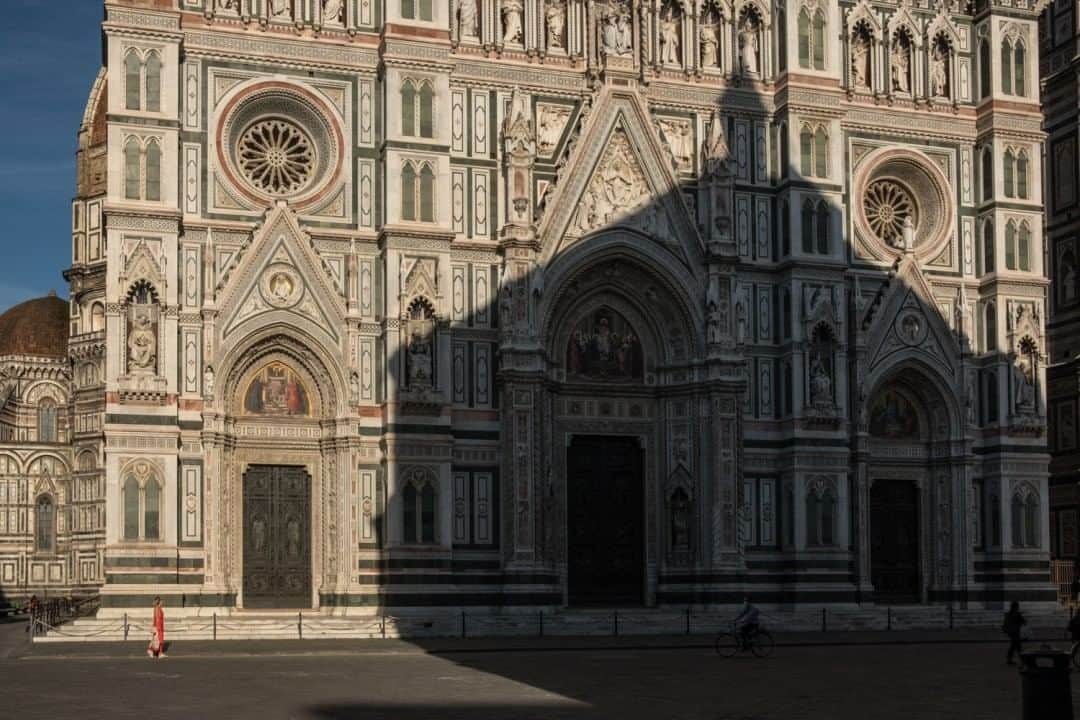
column 909, row 321
column 622, row 177
column 281, row 272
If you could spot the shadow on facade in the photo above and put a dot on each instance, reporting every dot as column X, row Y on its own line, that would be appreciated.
column 717, row 378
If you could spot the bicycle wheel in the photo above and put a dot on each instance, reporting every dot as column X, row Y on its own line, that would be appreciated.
column 727, row 645
column 761, row 644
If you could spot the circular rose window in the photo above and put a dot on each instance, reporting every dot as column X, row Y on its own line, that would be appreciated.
column 888, row 205
column 276, row 156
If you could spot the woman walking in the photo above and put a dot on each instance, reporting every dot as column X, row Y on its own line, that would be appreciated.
column 157, row 633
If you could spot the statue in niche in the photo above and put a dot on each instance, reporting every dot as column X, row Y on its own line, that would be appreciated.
column 900, row 65
column 419, row 359
column 511, row 17
column 142, row 344
column 715, row 153
column 680, row 520
column 208, row 381
column 468, row 19
column 280, row 9
column 333, row 11
column 820, row 383
column 670, row 28
column 233, row 6
column 555, row 19
column 710, row 45
column 748, row 46
column 617, row 32
column 1069, row 279
column 715, row 329
column 354, row 387
column 1025, row 384
column 939, row 71
column 860, row 60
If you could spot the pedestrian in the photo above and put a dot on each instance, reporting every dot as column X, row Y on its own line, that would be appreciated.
column 1011, row 627
column 31, row 610
column 157, row 632
column 1074, row 591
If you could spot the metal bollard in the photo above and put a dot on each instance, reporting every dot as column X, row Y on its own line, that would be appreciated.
column 616, row 623
column 1045, row 688
column 463, row 634
column 382, row 624
column 125, row 627
column 215, row 626
column 824, row 621
column 888, row 618
column 541, row 623
column 687, row 620
column 300, row 625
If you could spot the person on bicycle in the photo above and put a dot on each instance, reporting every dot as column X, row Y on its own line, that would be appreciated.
column 748, row 621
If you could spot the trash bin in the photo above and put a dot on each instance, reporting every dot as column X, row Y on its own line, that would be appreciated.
column 1044, row 677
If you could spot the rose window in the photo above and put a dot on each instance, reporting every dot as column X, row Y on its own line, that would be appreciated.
column 887, row 205
column 277, row 157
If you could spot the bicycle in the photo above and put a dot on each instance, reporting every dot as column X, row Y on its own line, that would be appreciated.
column 759, row 642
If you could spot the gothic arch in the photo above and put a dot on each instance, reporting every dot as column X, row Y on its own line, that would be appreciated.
column 317, row 367
column 927, row 389
column 618, row 256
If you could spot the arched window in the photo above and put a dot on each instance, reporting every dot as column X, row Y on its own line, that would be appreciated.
column 1023, row 247
column 427, row 110
column 427, row 193
column 132, row 169
column 785, row 227
column 785, row 154
column 142, row 499
column 408, row 108
column 823, row 228
column 1025, row 518
column 1006, row 68
column 152, row 510
column 1009, row 173
column 819, row 40
column 47, row 421
column 990, row 330
column 820, row 517
column 987, row 174
column 1010, row 245
column 985, row 90
column 45, row 526
column 821, row 153
column 133, row 80
column 1020, row 69
column 408, row 192
column 153, row 171
column 807, row 228
column 427, row 514
column 153, row 82
column 131, row 509
column 804, row 38
column 988, row 247
column 1022, row 175
column 806, row 149
column 97, row 317
column 419, row 506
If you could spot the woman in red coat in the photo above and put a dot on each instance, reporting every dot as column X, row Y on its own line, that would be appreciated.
column 157, row 636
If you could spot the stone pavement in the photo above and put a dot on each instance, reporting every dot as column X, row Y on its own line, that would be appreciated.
column 864, row 676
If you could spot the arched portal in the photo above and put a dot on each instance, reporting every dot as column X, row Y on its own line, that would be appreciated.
column 279, row 395
column 911, row 473
column 623, row 503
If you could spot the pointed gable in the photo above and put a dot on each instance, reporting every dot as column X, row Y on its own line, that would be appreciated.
column 280, row 272
column 619, row 175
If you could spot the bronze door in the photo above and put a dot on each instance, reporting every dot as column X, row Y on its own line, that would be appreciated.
column 277, row 537
column 894, row 541
column 606, row 514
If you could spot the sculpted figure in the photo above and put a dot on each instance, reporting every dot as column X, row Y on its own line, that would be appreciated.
column 820, row 383
column 900, row 68
column 468, row 22
column 715, row 152
column 710, row 56
column 860, row 53
column 939, row 73
column 142, row 344
column 280, row 9
column 669, row 39
column 333, row 11
column 555, row 17
column 511, row 15
column 748, row 46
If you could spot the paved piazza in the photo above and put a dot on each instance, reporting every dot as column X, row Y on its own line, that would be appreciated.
column 405, row 681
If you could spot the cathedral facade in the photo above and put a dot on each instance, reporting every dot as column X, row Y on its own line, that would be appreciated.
column 519, row 303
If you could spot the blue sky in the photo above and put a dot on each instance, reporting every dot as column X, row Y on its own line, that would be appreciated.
column 48, row 62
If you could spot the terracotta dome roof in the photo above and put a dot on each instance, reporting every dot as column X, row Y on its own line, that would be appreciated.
column 36, row 327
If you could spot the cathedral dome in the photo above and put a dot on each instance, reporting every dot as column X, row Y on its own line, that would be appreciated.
column 36, row 327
